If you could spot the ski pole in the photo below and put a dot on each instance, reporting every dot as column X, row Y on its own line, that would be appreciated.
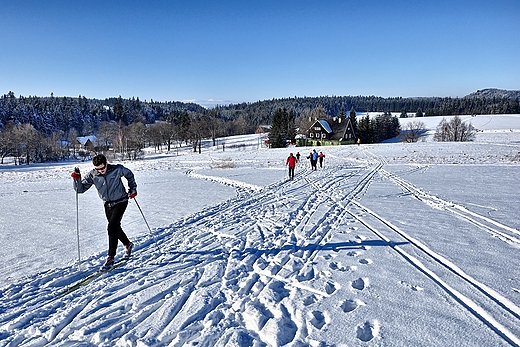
column 76, row 169
column 149, row 229
column 142, row 214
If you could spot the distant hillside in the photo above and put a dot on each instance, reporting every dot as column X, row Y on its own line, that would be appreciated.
column 495, row 93
column 486, row 101
column 53, row 114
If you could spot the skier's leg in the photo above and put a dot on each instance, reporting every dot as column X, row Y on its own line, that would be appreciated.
column 114, row 215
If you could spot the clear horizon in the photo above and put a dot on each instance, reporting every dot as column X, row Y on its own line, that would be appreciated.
column 233, row 52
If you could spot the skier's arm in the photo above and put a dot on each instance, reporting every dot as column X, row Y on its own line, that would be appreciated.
column 129, row 175
column 81, row 185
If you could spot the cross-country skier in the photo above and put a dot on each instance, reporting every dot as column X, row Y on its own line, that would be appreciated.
column 291, row 162
column 314, row 159
column 321, row 156
column 107, row 179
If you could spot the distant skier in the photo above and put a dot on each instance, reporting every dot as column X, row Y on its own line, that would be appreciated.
column 314, row 159
column 107, row 179
column 291, row 162
column 297, row 156
column 321, row 156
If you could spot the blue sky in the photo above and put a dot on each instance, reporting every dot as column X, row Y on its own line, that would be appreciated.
column 243, row 51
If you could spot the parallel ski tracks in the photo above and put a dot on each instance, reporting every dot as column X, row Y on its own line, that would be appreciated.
column 497, row 229
column 485, row 314
column 486, row 308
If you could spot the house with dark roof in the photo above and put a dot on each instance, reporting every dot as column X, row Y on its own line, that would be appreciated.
column 335, row 129
column 86, row 142
column 263, row 129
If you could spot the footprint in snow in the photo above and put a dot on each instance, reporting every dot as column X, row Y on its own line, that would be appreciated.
column 360, row 283
column 329, row 256
column 310, row 300
column 338, row 266
column 331, row 287
column 367, row 331
column 306, row 274
column 365, row 261
column 260, row 263
column 354, row 253
column 351, row 305
column 318, row 319
column 277, row 291
column 256, row 315
column 412, row 286
column 295, row 264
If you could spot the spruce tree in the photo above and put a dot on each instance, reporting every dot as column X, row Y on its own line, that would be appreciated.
column 353, row 119
column 279, row 125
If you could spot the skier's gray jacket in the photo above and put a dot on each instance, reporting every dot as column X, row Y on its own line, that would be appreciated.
column 110, row 187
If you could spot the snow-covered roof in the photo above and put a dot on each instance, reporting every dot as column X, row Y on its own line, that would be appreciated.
column 325, row 125
column 83, row 139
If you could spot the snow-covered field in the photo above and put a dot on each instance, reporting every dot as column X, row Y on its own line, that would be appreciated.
column 387, row 245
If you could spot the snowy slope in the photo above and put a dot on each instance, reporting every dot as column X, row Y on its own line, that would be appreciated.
column 386, row 245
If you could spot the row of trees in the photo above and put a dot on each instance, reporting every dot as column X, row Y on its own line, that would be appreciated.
column 26, row 144
column 479, row 103
column 43, row 128
column 454, row 130
column 49, row 114
column 377, row 129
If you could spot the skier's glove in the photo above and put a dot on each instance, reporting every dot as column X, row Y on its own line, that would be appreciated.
column 132, row 194
column 76, row 174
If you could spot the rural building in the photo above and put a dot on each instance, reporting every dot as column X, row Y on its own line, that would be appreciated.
column 335, row 129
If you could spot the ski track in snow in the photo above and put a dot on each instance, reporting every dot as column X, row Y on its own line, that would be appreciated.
column 249, row 272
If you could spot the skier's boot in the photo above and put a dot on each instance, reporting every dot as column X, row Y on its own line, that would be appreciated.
column 128, row 251
column 108, row 264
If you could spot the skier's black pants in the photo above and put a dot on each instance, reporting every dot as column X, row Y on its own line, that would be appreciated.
column 291, row 172
column 114, row 215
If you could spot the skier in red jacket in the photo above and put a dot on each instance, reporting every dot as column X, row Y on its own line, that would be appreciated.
column 291, row 162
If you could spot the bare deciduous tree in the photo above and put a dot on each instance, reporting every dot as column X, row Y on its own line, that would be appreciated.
column 156, row 135
column 7, row 141
column 455, row 130
column 26, row 141
column 135, row 139
column 412, row 131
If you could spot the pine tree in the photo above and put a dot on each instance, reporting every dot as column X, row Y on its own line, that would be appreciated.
column 118, row 109
column 279, row 125
column 353, row 119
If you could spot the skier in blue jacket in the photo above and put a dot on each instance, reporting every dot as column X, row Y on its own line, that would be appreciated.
column 314, row 159
column 107, row 179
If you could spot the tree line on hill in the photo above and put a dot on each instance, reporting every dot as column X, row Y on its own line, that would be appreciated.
column 476, row 103
column 35, row 129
